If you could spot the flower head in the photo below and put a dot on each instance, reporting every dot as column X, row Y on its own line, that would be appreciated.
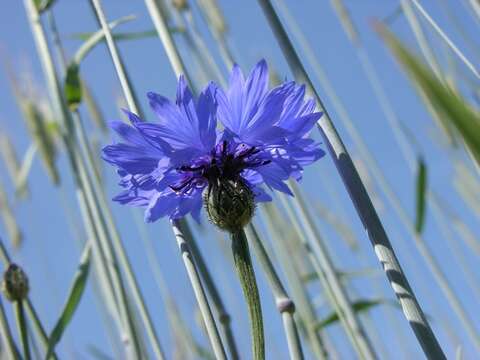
column 166, row 166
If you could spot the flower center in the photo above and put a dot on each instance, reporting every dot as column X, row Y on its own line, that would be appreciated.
column 225, row 163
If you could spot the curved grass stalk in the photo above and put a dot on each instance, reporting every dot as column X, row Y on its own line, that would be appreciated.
column 361, row 200
column 285, row 305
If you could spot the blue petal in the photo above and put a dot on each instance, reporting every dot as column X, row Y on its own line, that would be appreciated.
column 255, row 89
column 130, row 158
column 274, row 176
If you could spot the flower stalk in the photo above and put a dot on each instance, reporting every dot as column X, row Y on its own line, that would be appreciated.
column 246, row 275
column 22, row 328
column 285, row 305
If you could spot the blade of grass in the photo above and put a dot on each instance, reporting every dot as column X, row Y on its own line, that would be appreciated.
column 73, row 299
column 359, row 306
column 460, row 114
column 421, row 194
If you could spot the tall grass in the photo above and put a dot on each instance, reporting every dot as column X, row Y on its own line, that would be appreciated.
column 305, row 248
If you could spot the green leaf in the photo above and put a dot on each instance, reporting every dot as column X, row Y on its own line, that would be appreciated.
column 358, row 307
column 421, row 195
column 134, row 35
column 452, row 107
column 73, row 86
column 43, row 5
column 73, row 300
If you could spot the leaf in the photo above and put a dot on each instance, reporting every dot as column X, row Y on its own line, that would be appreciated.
column 452, row 106
column 73, row 300
column 43, row 5
column 421, row 195
column 73, row 86
column 134, row 35
column 94, row 38
column 358, row 306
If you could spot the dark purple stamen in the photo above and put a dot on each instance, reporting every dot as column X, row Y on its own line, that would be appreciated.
column 223, row 165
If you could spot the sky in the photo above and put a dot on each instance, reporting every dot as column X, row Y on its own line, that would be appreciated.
column 52, row 225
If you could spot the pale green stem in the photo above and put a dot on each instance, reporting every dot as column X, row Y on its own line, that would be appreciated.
column 197, row 286
column 183, row 333
column 8, row 347
column 445, row 38
column 222, row 314
column 202, row 48
column 125, row 82
column 391, row 195
column 109, row 223
column 22, row 328
column 361, row 200
column 33, row 317
column 421, row 38
column 216, row 24
column 306, row 310
column 246, row 275
column 285, row 305
column 165, row 37
column 476, row 8
column 76, row 162
column 133, row 106
column 336, row 293
column 179, row 69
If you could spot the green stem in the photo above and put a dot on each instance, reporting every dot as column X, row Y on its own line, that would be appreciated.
column 22, row 328
column 243, row 265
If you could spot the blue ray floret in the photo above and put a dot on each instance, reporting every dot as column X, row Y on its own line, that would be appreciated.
column 166, row 166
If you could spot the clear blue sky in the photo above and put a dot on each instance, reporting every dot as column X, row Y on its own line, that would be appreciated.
column 50, row 253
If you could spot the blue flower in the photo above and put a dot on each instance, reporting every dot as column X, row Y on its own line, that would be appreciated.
column 166, row 166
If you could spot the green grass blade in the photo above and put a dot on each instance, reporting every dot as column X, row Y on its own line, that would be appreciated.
column 133, row 35
column 43, row 5
column 73, row 300
column 358, row 306
column 95, row 38
column 421, row 195
column 455, row 110
column 73, row 86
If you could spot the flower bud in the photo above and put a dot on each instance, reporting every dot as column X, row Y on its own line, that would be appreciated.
column 230, row 204
column 15, row 283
